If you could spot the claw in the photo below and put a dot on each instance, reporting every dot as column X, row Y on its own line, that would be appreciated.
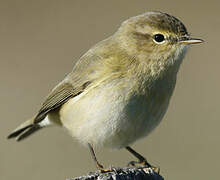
column 139, row 163
column 101, row 168
column 144, row 163
column 106, row 170
column 156, row 169
column 132, row 163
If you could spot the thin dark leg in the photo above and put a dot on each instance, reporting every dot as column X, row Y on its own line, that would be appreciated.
column 99, row 166
column 141, row 159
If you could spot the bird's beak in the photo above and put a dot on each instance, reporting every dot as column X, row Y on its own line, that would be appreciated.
column 189, row 40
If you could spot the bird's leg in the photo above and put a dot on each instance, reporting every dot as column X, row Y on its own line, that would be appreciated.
column 141, row 160
column 98, row 165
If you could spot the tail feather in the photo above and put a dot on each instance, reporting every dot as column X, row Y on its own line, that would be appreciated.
column 19, row 131
column 24, row 130
column 28, row 132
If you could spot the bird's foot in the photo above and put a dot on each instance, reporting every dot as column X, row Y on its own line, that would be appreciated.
column 139, row 163
column 102, row 169
column 144, row 163
column 106, row 170
column 156, row 169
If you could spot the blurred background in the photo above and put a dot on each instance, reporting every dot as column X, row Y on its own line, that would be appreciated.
column 40, row 41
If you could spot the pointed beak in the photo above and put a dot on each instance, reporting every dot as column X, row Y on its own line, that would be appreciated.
column 189, row 40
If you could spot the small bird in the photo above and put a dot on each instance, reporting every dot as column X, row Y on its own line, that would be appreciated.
column 120, row 89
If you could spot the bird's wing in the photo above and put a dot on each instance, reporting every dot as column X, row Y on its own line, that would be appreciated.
column 86, row 71
column 74, row 84
column 59, row 95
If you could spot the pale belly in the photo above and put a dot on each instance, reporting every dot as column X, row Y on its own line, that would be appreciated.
column 109, row 119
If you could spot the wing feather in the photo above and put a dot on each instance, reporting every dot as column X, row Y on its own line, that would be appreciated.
column 60, row 94
column 86, row 70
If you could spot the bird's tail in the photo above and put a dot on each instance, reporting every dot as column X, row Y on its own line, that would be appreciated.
column 24, row 130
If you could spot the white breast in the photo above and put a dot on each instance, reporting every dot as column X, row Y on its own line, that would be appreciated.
column 108, row 117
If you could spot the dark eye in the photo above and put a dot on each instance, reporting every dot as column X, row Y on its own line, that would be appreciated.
column 159, row 38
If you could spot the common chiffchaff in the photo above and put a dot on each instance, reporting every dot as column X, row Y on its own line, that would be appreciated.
column 120, row 89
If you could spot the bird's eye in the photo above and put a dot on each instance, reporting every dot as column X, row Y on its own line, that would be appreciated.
column 159, row 38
